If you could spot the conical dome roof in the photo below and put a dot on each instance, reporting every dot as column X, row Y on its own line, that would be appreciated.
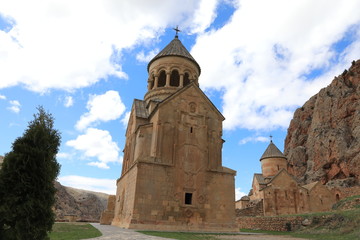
column 272, row 152
column 174, row 48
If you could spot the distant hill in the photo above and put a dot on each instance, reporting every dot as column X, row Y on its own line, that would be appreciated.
column 82, row 204
column 323, row 139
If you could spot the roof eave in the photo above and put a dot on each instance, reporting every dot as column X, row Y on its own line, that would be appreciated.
column 174, row 55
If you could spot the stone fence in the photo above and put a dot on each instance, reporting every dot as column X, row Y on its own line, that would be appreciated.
column 270, row 223
column 253, row 209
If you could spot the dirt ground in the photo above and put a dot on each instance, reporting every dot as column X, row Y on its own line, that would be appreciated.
column 257, row 237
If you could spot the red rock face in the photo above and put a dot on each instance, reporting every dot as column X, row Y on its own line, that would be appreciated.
column 323, row 139
column 83, row 205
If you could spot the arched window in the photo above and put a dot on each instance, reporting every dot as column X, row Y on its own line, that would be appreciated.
column 186, row 79
column 174, row 78
column 162, row 79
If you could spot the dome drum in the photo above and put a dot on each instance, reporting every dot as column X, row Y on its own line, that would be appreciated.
column 271, row 166
column 169, row 73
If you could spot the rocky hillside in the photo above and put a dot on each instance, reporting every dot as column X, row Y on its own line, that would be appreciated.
column 323, row 139
column 83, row 205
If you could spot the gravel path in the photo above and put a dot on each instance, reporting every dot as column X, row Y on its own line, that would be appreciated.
column 115, row 233
column 258, row 237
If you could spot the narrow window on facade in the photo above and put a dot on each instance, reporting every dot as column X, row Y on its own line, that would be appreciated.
column 174, row 78
column 162, row 79
column 186, row 79
column 191, row 129
column 188, row 198
column 152, row 82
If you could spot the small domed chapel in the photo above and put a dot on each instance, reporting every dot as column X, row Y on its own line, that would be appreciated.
column 172, row 176
column 276, row 192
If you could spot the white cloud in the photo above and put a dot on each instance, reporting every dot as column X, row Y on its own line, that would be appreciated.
column 96, row 143
column 125, row 119
column 254, row 139
column 261, row 57
column 92, row 184
column 63, row 155
column 68, row 101
column 239, row 194
column 2, row 97
column 14, row 106
column 102, row 108
column 141, row 57
column 61, row 45
column 204, row 15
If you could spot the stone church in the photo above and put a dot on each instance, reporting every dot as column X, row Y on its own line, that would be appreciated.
column 276, row 192
column 172, row 176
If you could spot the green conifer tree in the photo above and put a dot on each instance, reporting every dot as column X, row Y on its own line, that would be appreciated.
column 27, row 191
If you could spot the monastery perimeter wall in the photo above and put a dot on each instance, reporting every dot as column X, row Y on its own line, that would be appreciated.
column 270, row 223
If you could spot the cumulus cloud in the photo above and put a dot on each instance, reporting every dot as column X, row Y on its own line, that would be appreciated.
column 266, row 66
column 204, row 15
column 63, row 155
column 87, row 183
column 125, row 119
column 102, row 108
column 253, row 139
column 96, row 143
column 239, row 194
column 2, row 97
column 142, row 57
column 68, row 101
column 61, row 45
column 14, row 106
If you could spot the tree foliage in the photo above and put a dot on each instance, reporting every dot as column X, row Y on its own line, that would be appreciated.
column 27, row 191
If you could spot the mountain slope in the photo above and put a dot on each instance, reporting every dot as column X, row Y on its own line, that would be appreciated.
column 84, row 205
column 323, row 139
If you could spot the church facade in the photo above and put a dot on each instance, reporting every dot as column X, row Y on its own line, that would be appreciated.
column 276, row 192
column 172, row 176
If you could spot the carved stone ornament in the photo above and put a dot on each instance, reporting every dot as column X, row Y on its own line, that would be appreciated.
column 188, row 213
column 192, row 107
column 201, row 199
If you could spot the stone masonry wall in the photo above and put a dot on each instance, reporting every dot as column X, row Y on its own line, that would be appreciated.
column 108, row 215
column 344, row 192
column 255, row 209
column 125, row 197
column 270, row 223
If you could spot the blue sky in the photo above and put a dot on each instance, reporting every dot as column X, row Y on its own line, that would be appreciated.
column 85, row 62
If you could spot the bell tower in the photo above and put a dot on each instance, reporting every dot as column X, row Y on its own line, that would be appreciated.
column 173, row 68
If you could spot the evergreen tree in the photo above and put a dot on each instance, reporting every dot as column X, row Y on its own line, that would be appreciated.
column 27, row 191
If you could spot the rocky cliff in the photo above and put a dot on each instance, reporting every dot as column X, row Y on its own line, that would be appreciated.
column 82, row 205
column 323, row 139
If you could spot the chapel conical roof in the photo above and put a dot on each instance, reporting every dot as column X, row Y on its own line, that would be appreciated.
column 272, row 152
column 174, row 48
